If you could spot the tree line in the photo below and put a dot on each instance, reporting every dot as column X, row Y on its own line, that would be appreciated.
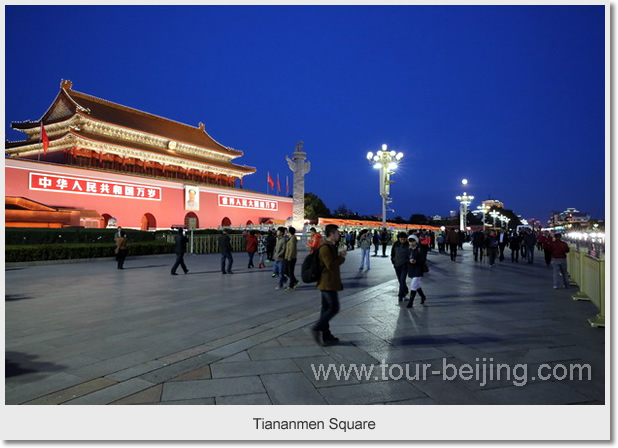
column 315, row 208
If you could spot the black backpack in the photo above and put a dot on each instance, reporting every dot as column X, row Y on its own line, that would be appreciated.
column 311, row 270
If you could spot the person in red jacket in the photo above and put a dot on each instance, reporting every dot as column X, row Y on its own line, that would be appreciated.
column 251, row 246
column 314, row 241
column 559, row 250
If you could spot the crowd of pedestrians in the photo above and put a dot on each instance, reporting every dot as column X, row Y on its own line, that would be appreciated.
column 408, row 256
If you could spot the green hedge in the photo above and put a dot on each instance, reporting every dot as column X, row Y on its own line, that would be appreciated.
column 77, row 235
column 40, row 252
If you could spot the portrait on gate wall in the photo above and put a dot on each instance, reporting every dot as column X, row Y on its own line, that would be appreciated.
column 192, row 198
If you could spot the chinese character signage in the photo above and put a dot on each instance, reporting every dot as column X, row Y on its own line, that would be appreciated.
column 192, row 198
column 67, row 184
column 243, row 202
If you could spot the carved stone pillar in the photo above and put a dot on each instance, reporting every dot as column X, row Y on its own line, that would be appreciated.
column 299, row 167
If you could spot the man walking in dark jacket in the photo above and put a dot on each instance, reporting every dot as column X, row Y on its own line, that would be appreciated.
column 180, row 241
column 400, row 257
column 530, row 243
column 329, row 284
column 225, row 247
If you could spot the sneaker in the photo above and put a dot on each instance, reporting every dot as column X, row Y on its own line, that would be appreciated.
column 555, row 287
column 360, row 269
column 278, row 287
column 329, row 339
column 274, row 275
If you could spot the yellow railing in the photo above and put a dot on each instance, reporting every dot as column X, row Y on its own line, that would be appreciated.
column 589, row 274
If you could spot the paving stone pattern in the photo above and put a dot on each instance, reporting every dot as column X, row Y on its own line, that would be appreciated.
column 88, row 333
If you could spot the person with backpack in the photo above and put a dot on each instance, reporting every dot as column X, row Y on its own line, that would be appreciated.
column 329, row 285
column 364, row 240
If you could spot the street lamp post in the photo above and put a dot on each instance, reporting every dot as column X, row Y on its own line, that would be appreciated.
column 386, row 162
column 464, row 202
column 494, row 214
column 483, row 209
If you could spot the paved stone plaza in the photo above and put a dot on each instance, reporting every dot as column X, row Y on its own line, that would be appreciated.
column 87, row 333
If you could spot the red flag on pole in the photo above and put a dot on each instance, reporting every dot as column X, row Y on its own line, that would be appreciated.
column 44, row 139
column 270, row 182
column 278, row 184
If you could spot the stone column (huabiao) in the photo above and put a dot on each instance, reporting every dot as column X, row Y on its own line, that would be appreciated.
column 299, row 167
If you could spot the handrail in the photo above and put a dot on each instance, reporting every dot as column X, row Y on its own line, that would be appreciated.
column 589, row 274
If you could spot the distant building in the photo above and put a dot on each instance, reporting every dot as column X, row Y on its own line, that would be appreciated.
column 88, row 161
column 489, row 203
column 569, row 216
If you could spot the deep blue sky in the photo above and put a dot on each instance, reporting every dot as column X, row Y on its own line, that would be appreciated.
column 510, row 97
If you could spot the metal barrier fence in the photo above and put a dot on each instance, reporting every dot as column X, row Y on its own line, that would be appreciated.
column 209, row 244
column 589, row 274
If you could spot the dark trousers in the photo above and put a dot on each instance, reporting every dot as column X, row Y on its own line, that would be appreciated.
column 180, row 261
column 492, row 252
column 547, row 253
column 477, row 251
column 384, row 249
column 402, row 276
column 251, row 254
column 502, row 246
column 453, row 249
column 515, row 255
column 288, row 269
column 330, row 307
column 230, row 261
column 122, row 255
column 375, row 252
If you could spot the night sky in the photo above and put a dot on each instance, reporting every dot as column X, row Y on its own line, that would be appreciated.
column 511, row 98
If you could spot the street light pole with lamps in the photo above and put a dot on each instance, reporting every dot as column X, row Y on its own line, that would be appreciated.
column 494, row 214
column 483, row 209
column 464, row 202
column 386, row 162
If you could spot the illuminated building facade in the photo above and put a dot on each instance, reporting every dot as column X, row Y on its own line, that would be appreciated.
column 105, row 161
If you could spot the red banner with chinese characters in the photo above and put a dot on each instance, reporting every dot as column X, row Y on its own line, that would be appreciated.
column 244, row 202
column 79, row 185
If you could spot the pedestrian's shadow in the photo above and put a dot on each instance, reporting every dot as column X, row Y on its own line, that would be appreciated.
column 16, row 363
